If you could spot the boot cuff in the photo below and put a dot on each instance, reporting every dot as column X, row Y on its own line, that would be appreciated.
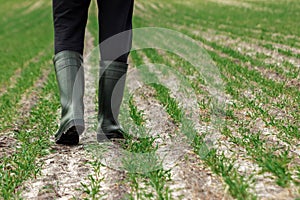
column 67, row 58
column 113, row 66
column 67, row 54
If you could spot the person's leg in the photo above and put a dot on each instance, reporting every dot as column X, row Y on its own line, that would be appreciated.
column 70, row 18
column 115, row 16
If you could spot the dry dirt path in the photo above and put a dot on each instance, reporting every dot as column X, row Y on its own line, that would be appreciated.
column 67, row 167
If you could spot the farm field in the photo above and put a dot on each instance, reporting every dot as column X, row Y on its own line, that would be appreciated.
column 242, row 143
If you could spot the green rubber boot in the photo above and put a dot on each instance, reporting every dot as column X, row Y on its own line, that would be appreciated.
column 111, row 89
column 70, row 79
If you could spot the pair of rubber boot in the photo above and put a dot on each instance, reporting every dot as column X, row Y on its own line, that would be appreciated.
column 70, row 77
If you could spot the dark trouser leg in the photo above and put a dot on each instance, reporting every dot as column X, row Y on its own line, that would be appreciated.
column 70, row 17
column 115, row 16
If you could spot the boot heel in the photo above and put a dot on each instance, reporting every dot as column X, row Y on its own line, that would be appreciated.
column 101, row 137
column 71, row 136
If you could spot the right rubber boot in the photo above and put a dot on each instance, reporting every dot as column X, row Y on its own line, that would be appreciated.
column 111, row 90
column 70, row 78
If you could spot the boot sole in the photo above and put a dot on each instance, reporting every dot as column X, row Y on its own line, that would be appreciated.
column 71, row 136
column 109, row 137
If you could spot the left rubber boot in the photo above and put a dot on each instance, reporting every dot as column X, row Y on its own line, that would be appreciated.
column 110, row 95
column 70, row 79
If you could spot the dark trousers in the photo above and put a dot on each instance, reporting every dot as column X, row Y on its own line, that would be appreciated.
column 114, row 17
